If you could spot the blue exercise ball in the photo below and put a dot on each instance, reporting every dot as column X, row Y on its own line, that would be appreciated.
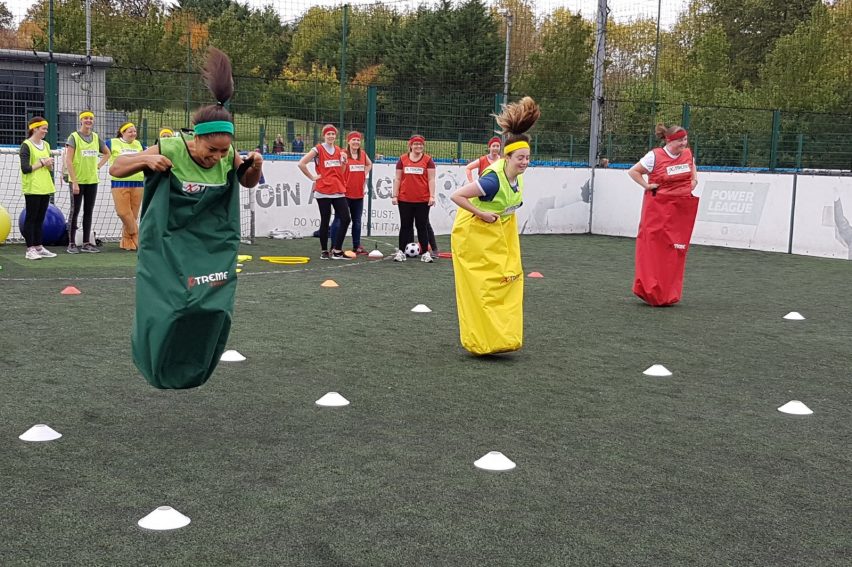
column 53, row 228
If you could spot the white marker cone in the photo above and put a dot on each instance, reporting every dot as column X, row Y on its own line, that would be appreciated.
column 40, row 432
column 376, row 254
column 420, row 308
column 794, row 316
column 795, row 407
column 332, row 400
column 657, row 370
column 164, row 518
column 232, row 356
column 494, row 461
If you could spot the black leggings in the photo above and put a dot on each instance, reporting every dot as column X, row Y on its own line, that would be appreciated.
column 341, row 212
column 411, row 215
column 89, row 191
column 36, row 210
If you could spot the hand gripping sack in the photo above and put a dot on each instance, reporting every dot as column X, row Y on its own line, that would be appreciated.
column 489, row 283
column 661, row 247
column 189, row 237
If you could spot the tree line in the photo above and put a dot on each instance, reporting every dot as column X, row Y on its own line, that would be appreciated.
column 438, row 63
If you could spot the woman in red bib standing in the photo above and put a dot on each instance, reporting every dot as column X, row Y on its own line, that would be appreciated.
column 355, row 174
column 414, row 193
column 329, row 189
column 494, row 147
column 668, row 216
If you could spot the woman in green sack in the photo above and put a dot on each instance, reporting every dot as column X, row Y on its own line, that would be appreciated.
column 189, row 236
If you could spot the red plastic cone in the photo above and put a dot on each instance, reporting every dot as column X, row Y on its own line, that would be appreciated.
column 535, row 275
column 70, row 290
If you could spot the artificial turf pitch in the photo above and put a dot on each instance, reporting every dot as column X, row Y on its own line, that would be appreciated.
column 614, row 468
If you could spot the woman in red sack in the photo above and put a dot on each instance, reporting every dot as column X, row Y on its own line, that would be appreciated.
column 479, row 164
column 668, row 216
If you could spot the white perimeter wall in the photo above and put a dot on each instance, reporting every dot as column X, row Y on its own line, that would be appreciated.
column 737, row 210
column 553, row 201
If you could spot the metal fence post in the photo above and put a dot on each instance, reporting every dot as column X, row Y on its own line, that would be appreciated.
column 800, row 139
column 459, row 148
column 745, row 150
column 144, row 127
column 51, row 102
column 776, row 135
column 370, row 148
column 685, row 116
column 343, row 41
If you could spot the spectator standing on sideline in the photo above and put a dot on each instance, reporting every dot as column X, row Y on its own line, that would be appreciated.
column 355, row 172
column 329, row 190
column 414, row 194
column 479, row 164
column 36, row 185
column 127, row 191
column 82, row 165
column 298, row 145
column 278, row 145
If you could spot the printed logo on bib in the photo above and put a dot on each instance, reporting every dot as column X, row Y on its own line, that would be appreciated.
column 357, row 167
column 510, row 279
column 678, row 169
column 512, row 209
column 213, row 280
column 680, row 246
column 90, row 153
column 331, row 163
column 193, row 188
column 125, row 151
column 409, row 170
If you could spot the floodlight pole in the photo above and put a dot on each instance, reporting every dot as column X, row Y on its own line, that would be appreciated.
column 88, row 54
column 509, row 22
column 598, row 83
column 51, row 96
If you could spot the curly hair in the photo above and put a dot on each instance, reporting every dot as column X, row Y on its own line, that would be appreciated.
column 516, row 118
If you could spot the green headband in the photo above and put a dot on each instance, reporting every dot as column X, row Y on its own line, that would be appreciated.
column 215, row 127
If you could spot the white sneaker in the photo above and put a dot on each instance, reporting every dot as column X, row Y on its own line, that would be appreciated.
column 426, row 257
column 45, row 253
column 399, row 256
column 32, row 254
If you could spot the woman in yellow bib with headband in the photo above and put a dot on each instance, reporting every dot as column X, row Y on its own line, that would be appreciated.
column 127, row 191
column 37, row 186
column 82, row 163
column 486, row 249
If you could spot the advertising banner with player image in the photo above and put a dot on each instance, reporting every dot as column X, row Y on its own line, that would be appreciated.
column 822, row 225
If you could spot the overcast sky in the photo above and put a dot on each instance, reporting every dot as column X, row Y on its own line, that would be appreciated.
column 292, row 9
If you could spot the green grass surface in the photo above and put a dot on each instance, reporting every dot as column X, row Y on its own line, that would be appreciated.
column 614, row 468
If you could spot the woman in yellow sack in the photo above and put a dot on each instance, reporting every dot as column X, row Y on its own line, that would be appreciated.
column 486, row 249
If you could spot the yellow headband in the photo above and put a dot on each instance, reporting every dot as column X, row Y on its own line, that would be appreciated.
column 87, row 114
column 515, row 146
column 38, row 124
column 125, row 127
column 165, row 132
